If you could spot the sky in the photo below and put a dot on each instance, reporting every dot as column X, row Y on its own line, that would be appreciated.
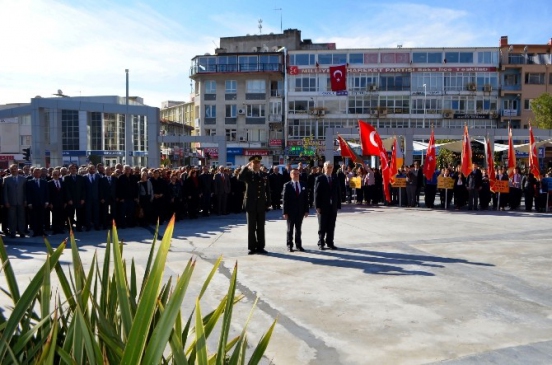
column 83, row 47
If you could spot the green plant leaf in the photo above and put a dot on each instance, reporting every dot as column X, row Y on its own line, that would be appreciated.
column 146, row 307
column 261, row 346
column 8, row 271
column 201, row 344
column 227, row 319
column 121, row 286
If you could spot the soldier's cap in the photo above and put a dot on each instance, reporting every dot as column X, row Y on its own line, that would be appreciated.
column 255, row 158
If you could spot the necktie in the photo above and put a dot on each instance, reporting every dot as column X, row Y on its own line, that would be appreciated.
column 330, row 181
column 38, row 182
column 297, row 188
column 57, row 184
column 74, row 178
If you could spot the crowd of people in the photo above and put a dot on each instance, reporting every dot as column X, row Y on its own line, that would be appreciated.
column 48, row 200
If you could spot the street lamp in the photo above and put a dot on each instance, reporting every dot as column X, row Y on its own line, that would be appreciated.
column 425, row 99
column 285, row 100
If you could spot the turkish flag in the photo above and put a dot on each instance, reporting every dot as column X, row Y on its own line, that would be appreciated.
column 393, row 169
column 533, row 155
column 511, row 154
column 466, row 167
column 347, row 151
column 338, row 77
column 490, row 164
column 369, row 139
column 431, row 160
column 385, row 172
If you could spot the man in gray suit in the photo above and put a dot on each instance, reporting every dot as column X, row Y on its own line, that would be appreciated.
column 15, row 201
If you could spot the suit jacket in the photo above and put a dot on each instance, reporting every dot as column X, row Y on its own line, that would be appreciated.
column 206, row 183
column 56, row 196
column 327, row 197
column 475, row 179
column 15, row 190
column 257, row 191
column 92, row 189
column 127, row 187
column 295, row 206
column 108, row 189
column 221, row 186
column 37, row 195
column 75, row 189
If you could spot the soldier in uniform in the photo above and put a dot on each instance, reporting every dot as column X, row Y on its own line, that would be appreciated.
column 256, row 201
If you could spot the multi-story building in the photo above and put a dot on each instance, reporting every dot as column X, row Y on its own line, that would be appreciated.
column 525, row 75
column 176, row 120
column 81, row 129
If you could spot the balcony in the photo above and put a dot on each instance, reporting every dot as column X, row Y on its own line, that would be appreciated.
column 237, row 68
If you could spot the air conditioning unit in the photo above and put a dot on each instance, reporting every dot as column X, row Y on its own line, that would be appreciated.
column 373, row 88
column 243, row 139
column 448, row 114
column 241, row 111
column 487, row 88
column 471, row 87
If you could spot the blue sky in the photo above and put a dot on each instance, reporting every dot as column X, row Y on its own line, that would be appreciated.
column 83, row 47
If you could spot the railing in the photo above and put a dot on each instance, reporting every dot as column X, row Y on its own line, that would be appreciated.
column 246, row 67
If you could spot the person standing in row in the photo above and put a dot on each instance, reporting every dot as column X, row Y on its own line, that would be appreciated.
column 221, row 188
column 296, row 207
column 57, row 202
column 256, row 201
column 15, row 201
column 37, row 202
column 327, row 200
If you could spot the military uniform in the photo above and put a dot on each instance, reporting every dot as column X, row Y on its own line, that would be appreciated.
column 255, row 203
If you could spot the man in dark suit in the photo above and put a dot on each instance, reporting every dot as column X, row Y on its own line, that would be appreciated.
column 221, row 187
column 108, row 198
column 14, row 191
column 92, row 182
column 37, row 202
column 127, row 196
column 296, row 207
column 206, row 186
column 474, row 184
column 75, row 193
column 255, row 203
column 57, row 202
column 327, row 200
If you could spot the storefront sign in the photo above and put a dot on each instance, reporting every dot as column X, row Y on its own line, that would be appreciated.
column 445, row 183
column 256, row 152
column 275, row 142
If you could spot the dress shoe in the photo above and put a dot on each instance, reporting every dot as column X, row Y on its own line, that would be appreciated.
column 290, row 249
column 263, row 251
column 22, row 235
column 320, row 247
column 332, row 247
column 251, row 252
column 301, row 249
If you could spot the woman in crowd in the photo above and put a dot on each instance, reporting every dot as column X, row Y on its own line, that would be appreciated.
column 192, row 190
column 174, row 191
column 145, row 198
column 460, row 190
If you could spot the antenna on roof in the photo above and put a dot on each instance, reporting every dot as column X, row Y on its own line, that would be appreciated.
column 280, row 10
column 260, row 26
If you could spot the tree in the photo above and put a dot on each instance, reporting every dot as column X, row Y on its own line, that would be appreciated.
column 446, row 157
column 542, row 109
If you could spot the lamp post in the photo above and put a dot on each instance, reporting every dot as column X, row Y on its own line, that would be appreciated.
column 285, row 101
column 128, row 127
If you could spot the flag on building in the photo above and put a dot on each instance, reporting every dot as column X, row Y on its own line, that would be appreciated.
column 490, row 163
column 533, row 155
column 511, row 153
column 338, row 78
column 466, row 164
column 430, row 162
column 393, row 169
column 369, row 139
column 347, row 151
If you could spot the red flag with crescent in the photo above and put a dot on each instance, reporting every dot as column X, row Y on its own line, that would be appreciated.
column 533, row 155
column 431, row 160
column 338, row 77
column 369, row 139
column 490, row 164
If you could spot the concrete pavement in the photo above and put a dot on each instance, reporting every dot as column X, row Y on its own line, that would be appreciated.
column 407, row 286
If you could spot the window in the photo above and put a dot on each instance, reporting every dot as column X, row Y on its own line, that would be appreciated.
column 96, row 131
column 255, row 110
column 394, row 82
column 210, row 87
column 206, row 64
column 211, row 132
column 25, row 140
column 305, row 83
column 432, row 80
column 269, row 62
column 256, row 86
column 550, row 78
column 301, row 60
column 248, row 63
column 356, row 58
column 300, row 106
column 459, row 57
column 427, row 57
column 487, row 57
column 231, row 111
column 70, row 129
column 210, row 111
column 230, row 86
column 228, row 63
column 275, row 107
column 332, row 59
column 231, row 135
column 256, row 135
column 527, row 104
column 534, row 78
column 363, row 82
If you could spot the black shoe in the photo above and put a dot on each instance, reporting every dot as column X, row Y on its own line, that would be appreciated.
column 290, row 249
column 332, row 247
column 301, row 249
column 251, row 252
column 12, row 236
column 22, row 235
column 321, row 247
column 263, row 251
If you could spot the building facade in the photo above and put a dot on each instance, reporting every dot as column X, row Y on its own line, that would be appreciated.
column 84, row 129
column 177, row 119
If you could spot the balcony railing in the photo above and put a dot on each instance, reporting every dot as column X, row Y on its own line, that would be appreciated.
column 247, row 67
